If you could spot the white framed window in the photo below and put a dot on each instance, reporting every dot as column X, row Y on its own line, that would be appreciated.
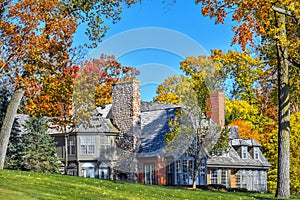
column 213, row 176
column 87, row 145
column 238, row 178
column 71, row 146
column 188, row 166
column 103, row 171
column 256, row 180
column 106, row 145
column 178, row 172
column 88, row 170
column 225, row 177
column 149, row 173
column 244, row 179
column 256, row 153
column 263, row 181
column 244, row 152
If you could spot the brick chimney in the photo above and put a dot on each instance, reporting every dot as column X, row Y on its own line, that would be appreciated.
column 126, row 105
column 216, row 110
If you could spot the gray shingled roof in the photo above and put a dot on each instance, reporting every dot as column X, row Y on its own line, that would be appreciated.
column 239, row 142
column 252, row 142
column 234, row 160
column 233, row 132
column 154, row 123
column 148, row 106
column 97, row 124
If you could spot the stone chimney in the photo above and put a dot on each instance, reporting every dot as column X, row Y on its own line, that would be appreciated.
column 126, row 106
column 216, row 104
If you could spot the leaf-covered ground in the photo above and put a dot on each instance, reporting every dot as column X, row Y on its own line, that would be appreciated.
column 26, row 185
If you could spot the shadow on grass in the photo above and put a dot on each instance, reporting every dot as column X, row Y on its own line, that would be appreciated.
column 222, row 190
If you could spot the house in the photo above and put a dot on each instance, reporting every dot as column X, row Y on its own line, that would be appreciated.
column 127, row 142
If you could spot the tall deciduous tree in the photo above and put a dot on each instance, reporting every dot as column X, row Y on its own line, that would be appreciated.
column 241, row 69
column 35, row 37
column 278, row 20
column 14, row 152
column 166, row 91
column 193, row 133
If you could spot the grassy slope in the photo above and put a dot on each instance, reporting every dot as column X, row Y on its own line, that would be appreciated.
column 25, row 185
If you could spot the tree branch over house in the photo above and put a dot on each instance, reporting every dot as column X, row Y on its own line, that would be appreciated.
column 193, row 132
column 37, row 37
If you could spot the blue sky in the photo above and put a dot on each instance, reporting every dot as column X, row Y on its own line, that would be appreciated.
column 156, row 37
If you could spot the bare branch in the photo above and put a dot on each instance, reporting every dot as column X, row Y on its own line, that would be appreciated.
column 294, row 63
column 283, row 11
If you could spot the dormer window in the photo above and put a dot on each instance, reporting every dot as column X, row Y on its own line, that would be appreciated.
column 256, row 153
column 244, row 152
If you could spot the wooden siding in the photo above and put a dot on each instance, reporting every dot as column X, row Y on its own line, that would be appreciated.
column 160, row 170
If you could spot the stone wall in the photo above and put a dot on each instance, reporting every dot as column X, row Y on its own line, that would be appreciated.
column 126, row 106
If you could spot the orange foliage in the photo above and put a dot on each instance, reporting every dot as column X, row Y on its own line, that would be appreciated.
column 102, row 73
column 246, row 130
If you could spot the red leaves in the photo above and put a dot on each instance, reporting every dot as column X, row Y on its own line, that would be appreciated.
column 101, row 74
column 252, row 17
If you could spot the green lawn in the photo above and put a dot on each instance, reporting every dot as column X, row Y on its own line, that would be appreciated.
column 26, row 185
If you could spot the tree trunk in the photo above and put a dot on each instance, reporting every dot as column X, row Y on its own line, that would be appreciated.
column 8, row 122
column 283, row 182
column 66, row 154
column 195, row 172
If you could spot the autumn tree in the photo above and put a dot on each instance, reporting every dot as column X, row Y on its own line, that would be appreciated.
column 193, row 133
column 270, row 148
column 278, row 20
column 93, row 85
column 204, row 75
column 54, row 99
column 71, row 97
column 243, row 70
column 35, row 39
column 165, row 92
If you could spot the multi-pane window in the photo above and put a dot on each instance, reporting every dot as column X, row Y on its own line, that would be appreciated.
column 71, row 146
column 244, row 152
column 225, row 177
column 87, row 145
column 188, row 172
column 178, row 172
column 213, row 176
column 238, row 178
column 105, row 145
column 263, row 180
column 244, row 179
column 256, row 178
column 184, row 171
column 149, row 173
column 203, row 172
column 256, row 153
column 251, row 179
